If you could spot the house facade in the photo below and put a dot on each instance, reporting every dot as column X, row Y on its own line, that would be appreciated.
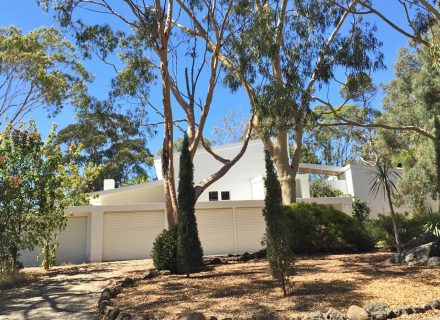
column 122, row 223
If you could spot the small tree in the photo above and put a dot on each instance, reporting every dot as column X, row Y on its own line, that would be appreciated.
column 189, row 248
column 279, row 251
column 383, row 178
column 360, row 210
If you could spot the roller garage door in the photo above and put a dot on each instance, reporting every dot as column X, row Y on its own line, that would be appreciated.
column 72, row 244
column 216, row 230
column 250, row 226
column 73, row 241
column 130, row 235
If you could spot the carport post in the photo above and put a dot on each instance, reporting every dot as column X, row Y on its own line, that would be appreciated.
column 96, row 236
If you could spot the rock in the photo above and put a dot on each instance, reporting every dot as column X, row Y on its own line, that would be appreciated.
column 245, row 257
column 315, row 316
column 114, row 291
column 434, row 262
column 397, row 313
column 193, row 316
column 260, row 254
column 123, row 316
column 426, row 307
column 378, row 311
column 114, row 312
column 127, row 282
column 435, row 304
column 213, row 318
column 421, row 254
column 406, row 310
column 214, row 261
column 334, row 314
column 105, row 295
column 103, row 305
column 164, row 272
column 357, row 313
column 418, row 310
column 151, row 274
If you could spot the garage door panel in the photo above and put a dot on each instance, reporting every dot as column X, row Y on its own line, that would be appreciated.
column 73, row 241
column 130, row 235
column 216, row 230
column 250, row 226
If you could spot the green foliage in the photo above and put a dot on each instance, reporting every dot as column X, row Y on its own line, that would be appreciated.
column 318, row 189
column 318, row 228
column 164, row 252
column 189, row 248
column 409, row 227
column 432, row 224
column 36, row 188
column 38, row 69
column 279, row 251
column 112, row 140
column 360, row 211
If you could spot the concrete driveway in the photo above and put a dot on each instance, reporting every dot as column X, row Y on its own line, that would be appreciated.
column 66, row 292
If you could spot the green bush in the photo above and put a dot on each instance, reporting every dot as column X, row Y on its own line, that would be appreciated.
column 319, row 189
column 164, row 252
column 319, row 228
column 360, row 210
column 410, row 227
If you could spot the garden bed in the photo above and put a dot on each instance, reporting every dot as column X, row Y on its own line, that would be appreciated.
column 243, row 290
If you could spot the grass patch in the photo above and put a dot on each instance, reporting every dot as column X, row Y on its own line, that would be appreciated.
column 17, row 279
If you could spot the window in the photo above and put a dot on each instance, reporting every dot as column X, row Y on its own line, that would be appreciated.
column 213, row 195
column 225, row 195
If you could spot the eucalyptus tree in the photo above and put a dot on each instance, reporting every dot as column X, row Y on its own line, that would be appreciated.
column 38, row 69
column 150, row 48
column 279, row 52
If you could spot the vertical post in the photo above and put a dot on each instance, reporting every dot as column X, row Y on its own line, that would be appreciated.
column 96, row 236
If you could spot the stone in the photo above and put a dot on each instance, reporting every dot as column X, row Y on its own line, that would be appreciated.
column 357, row 313
column 123, row 316
column 165, row 272
column 418, row 310
column 114, row 291
column 127, row 282
column 315, row 316
column 397, row 313
column 434, row 262
column 105, row 295
column 435, row 304
column 114, row 312
column 406, row 310
column 214, row 261
column 245, row 257
column 151, row 274
column 378, row 311
column 103, row 305
column 193, row 316
column 213, row 318
column 426, row 307
column 334, row 314
column 421, row 254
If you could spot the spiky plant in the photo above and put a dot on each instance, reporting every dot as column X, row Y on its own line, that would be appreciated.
column 383, row 180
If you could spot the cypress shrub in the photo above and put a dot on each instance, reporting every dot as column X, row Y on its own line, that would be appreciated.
column 189, row 248
column 279, row 251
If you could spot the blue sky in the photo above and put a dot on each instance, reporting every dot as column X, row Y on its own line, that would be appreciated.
column 26, row 15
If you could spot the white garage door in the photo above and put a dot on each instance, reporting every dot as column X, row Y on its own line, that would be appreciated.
column 250, row 228
column 130, row 235
column 216, row 230
column 72, row 244
column 73, row 241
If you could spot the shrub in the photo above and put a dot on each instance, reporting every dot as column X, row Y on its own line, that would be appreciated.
column 360, row 210
column 319, row 228
column 319, row 189
column 189, row 248
column 164, row 252
column 279, row 251
column 410, row 227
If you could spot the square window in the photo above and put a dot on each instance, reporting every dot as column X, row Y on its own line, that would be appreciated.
column 213, row 195
column 225, row 195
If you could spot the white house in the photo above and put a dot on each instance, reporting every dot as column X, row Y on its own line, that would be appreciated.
column 122, row 223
